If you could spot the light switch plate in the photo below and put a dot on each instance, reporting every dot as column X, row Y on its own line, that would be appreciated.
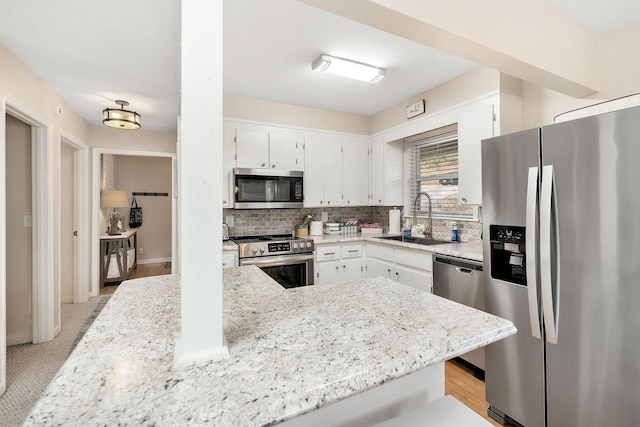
column 230, row 220
column 325, row 216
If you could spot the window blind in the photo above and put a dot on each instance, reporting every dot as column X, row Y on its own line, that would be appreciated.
column 433, row 169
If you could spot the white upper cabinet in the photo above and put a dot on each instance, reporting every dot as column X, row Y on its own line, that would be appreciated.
column 264, row 149
column 286, row 152
column 356, row 171
column 252, row 148
column 473, row 127
column 323, row 174
column 386, row 173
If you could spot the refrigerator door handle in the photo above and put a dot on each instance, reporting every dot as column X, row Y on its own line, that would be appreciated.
column 530, row 246
column 548, row 212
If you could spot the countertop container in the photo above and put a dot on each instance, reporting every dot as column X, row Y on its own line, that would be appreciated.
column 316, row 228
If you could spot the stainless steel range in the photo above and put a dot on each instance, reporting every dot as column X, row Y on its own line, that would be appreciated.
column 288, row 260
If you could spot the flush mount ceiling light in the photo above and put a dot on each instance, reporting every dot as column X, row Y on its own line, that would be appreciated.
column 346, row 68
column 121, row 118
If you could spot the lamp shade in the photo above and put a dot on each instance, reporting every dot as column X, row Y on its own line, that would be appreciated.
column 119, row 118
column 113, row 199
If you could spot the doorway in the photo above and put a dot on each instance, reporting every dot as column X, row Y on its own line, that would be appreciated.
column 162, row 193
column 19, row 256
column 43, row 307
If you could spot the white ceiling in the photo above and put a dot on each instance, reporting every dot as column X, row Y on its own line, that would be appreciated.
column 92, row 53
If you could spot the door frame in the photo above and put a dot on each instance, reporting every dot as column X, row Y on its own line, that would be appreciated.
column 43, row 286
column 81, row 290
column 43, row 224
column 95, row 208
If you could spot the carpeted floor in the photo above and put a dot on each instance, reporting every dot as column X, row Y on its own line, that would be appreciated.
column 30, row 367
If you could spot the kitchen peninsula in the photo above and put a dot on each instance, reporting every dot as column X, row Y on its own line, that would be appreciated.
column 293, row 353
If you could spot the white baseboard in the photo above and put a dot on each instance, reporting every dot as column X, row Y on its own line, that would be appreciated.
column 19, row 339
column 153, row 260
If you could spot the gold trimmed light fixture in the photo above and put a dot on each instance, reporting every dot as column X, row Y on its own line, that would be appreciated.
column 121, row 118
column 346, row 68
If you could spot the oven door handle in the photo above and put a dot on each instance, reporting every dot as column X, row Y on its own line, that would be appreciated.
column 270, row 261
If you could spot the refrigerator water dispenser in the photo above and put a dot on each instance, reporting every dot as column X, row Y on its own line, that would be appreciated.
column 508, row 253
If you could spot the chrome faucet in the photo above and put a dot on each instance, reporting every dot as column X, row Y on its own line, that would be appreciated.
column 429, row 234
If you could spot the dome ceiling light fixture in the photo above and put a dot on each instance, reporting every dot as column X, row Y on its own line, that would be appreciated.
column 346, row 68
column 121, row 118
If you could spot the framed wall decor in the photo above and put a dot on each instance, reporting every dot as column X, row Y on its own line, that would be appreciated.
column 415, row 109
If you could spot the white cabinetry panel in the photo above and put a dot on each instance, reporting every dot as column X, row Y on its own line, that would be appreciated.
column 356, row 172
column 252, row 147
column 473, row 127
column 334, row 263
column 412, row 268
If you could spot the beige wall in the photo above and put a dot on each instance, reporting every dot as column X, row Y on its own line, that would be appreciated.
column 143, row 140
column 150, row 174
column 236, row 107
column 459, row 90
column 19, row 256
column 21, row 84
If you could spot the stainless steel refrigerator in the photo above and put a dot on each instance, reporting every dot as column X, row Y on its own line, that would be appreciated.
column 561, row 215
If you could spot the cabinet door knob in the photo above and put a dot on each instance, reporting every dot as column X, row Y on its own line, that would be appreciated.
column 273, row 166
column 264, row 164
column 464, row 199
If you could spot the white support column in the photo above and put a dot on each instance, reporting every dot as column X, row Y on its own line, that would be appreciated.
column 200, row 181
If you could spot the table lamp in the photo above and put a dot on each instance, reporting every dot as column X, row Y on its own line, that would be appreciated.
column 113, row 199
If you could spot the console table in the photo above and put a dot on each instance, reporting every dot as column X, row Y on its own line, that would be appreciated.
column 118, row 256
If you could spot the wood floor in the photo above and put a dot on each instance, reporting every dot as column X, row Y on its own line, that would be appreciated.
column 461, row 384
column 459, row 381
column 142, row 270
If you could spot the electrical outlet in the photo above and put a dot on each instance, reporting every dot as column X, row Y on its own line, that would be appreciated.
column 27, row 220
column 230, row 220
column 140, row 251
column 325, row 216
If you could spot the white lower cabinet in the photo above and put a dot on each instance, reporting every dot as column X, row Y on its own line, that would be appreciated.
column 334, row 263
column 412, row 268
column 229, row 259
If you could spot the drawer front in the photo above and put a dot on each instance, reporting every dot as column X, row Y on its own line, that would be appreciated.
column 417, row 259
column 327, row 253
column 351, row 251
column 379, row 251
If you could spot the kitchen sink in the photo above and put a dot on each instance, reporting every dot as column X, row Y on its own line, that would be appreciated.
column 416, row 240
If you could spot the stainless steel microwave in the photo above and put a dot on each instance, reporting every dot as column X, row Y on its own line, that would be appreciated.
column 267, row 188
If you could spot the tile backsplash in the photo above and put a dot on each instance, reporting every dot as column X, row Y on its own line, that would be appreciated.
column 252, row 222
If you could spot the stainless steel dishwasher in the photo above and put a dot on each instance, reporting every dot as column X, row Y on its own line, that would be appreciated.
column 461, row 280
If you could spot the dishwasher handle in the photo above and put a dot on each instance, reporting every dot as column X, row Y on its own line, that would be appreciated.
column 464, row 270
column 465, row 266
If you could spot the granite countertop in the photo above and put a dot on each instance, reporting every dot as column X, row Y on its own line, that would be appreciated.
column 471, row 251
column 291, row 351
column 229, row 246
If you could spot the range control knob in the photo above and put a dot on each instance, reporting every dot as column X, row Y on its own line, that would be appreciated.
column 295, row 246
column 254, row 250
column 261, row 249
column 308, row 244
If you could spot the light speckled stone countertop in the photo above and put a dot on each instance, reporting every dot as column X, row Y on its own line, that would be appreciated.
column 461, row 250
column 291, row 351
column 229, row 246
